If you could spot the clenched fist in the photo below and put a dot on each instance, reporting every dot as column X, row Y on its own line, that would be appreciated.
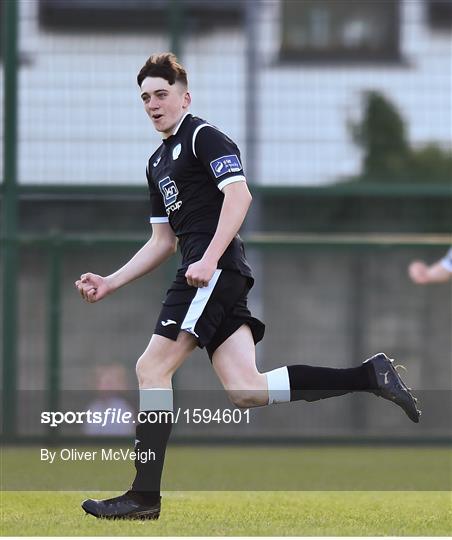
column 200, row 273
column 93, row 287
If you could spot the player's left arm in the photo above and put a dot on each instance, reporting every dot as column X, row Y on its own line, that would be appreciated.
column 237, row 200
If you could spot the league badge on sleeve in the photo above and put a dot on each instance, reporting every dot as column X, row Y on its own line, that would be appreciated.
column 225, row 164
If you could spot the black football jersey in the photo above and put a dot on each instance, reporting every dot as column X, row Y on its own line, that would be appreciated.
column 186, row 176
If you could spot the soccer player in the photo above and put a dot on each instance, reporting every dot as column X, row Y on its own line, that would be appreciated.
column 199, row 198
column 438, row 272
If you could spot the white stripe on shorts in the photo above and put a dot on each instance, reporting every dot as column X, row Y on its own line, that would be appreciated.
column 198, row 304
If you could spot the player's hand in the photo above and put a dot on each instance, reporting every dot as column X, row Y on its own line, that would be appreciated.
column 418, row 272
column 200, row 273
column 92, row 287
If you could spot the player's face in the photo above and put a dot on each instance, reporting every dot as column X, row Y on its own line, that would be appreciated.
column 165, row 104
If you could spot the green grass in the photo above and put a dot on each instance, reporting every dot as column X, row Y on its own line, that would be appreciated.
column 239, row 514
column 243, row 468
column 241, row 491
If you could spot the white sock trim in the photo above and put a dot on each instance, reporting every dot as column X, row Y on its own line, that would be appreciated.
column 278, row 385
column 156, row 399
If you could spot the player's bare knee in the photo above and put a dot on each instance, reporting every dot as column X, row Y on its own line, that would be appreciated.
column 154, row 372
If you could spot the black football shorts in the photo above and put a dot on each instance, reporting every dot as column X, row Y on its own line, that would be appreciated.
column 211, row 313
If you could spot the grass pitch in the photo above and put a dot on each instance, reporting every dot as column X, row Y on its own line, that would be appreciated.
column 239, row 514
column 417, row 500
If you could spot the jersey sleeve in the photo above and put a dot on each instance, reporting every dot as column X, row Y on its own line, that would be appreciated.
column 446, row 262
column 158, row 212
column 219, row 155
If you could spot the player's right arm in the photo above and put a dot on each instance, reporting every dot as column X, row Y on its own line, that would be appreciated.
column 157, row 250
column 422, row 274
column 438, row 272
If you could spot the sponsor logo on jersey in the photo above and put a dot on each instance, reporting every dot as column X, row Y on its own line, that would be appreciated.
column 225, row 164
column 169, row 190
column 173, row 207
column 157, row 161
column 176, row 151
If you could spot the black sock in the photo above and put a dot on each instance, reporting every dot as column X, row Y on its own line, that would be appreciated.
column 150, row 437
column 311, row 383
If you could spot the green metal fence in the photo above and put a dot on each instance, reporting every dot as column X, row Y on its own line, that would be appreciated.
column 323, row 298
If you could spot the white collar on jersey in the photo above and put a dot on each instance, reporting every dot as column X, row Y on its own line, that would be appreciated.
column 180, row 123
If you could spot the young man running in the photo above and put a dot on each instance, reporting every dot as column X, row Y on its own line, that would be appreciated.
column 199, row 197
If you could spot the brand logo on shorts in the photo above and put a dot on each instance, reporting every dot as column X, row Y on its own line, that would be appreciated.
column 168, row 322
column 169, row 190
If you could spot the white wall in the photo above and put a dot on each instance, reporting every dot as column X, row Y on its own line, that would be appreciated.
column 307, row 108
column 81, row 119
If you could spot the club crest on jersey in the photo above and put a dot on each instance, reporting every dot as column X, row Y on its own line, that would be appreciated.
column 169, row 190
column 176, row 151
column 225, row 164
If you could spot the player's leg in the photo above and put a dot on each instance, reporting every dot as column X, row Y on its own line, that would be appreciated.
column 173, row 340
column 161, row 359
column 234, row 363
column 155, row 369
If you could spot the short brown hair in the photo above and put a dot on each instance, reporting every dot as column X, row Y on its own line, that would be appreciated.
column 164, row 65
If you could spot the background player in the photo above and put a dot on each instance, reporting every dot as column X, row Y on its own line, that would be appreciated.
column 199, row 197
column 438, row 272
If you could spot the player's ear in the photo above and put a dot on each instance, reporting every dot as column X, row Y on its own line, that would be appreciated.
column 187, row 100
